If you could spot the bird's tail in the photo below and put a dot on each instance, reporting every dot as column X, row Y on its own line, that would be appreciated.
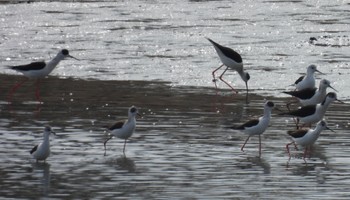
column 235, row 127
column 283, row 114
column 211, row 41
column 287, row 92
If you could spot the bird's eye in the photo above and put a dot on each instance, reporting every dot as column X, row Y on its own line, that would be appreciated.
column 270, row 104
column 65, row 52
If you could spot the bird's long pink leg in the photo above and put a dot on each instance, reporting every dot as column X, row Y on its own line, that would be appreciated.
column 305, row 153
column 216, row 87
column 213, row 73
column 295, row 146
column 245, row 143
column 287, row 147
column 37, row 91
column 259, row 146
column 124, row 146
column 14, row 88
column 295, row 120
column 220, row 77
column 104, row 144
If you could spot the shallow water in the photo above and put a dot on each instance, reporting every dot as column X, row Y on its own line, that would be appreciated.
column 181, row 147
column 154, row 55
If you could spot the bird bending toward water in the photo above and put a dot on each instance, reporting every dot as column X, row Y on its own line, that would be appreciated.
column 232, row 60
column 36, row 70
column 256, row 126
column 124, row 129
column 42, row 150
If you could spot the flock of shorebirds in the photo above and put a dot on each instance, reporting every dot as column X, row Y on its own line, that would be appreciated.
column 314, row 103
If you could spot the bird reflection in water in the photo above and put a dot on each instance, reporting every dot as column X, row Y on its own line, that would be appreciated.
column 42, row 170
column 123, row 163
column 253, row 162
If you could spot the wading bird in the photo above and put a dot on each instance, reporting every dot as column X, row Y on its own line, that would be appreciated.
column 124, row 129
column 37, row 70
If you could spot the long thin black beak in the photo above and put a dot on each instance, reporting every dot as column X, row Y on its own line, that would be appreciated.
column 340, row 101
column 246, row 94
column 330, row 129
column 332, row 88
column 73, row 57
column 54, row 133
column 319, row 72
column 246, row 86
column 138, row 114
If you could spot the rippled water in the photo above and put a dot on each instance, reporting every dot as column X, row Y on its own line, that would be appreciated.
column 154, row 55
column 180, row 149
column 165, row 40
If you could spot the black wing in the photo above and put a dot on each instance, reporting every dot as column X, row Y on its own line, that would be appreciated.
column 248, row 124
column 299, row 80
column 31, row 66
column 34, row 149
column 302, row 112
column 228, row 52
column 298, row 133
column 302, row 94
column 117, row 125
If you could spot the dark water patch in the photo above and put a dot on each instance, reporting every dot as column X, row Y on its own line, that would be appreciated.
column 141, row 20
column 53, row 11
column 231, row 20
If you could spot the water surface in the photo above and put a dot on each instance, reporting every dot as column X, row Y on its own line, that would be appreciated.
column 154, row 55
column 181, row 147
column 165, row 40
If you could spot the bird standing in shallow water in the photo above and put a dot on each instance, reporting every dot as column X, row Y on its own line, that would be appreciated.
column 306, row 137
column 42, row 150
column 232, row 60
column 36, row 70
column 312, row 96
column 124, row 129
column 256, row 126
column 313, row 113
column 308, row 81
